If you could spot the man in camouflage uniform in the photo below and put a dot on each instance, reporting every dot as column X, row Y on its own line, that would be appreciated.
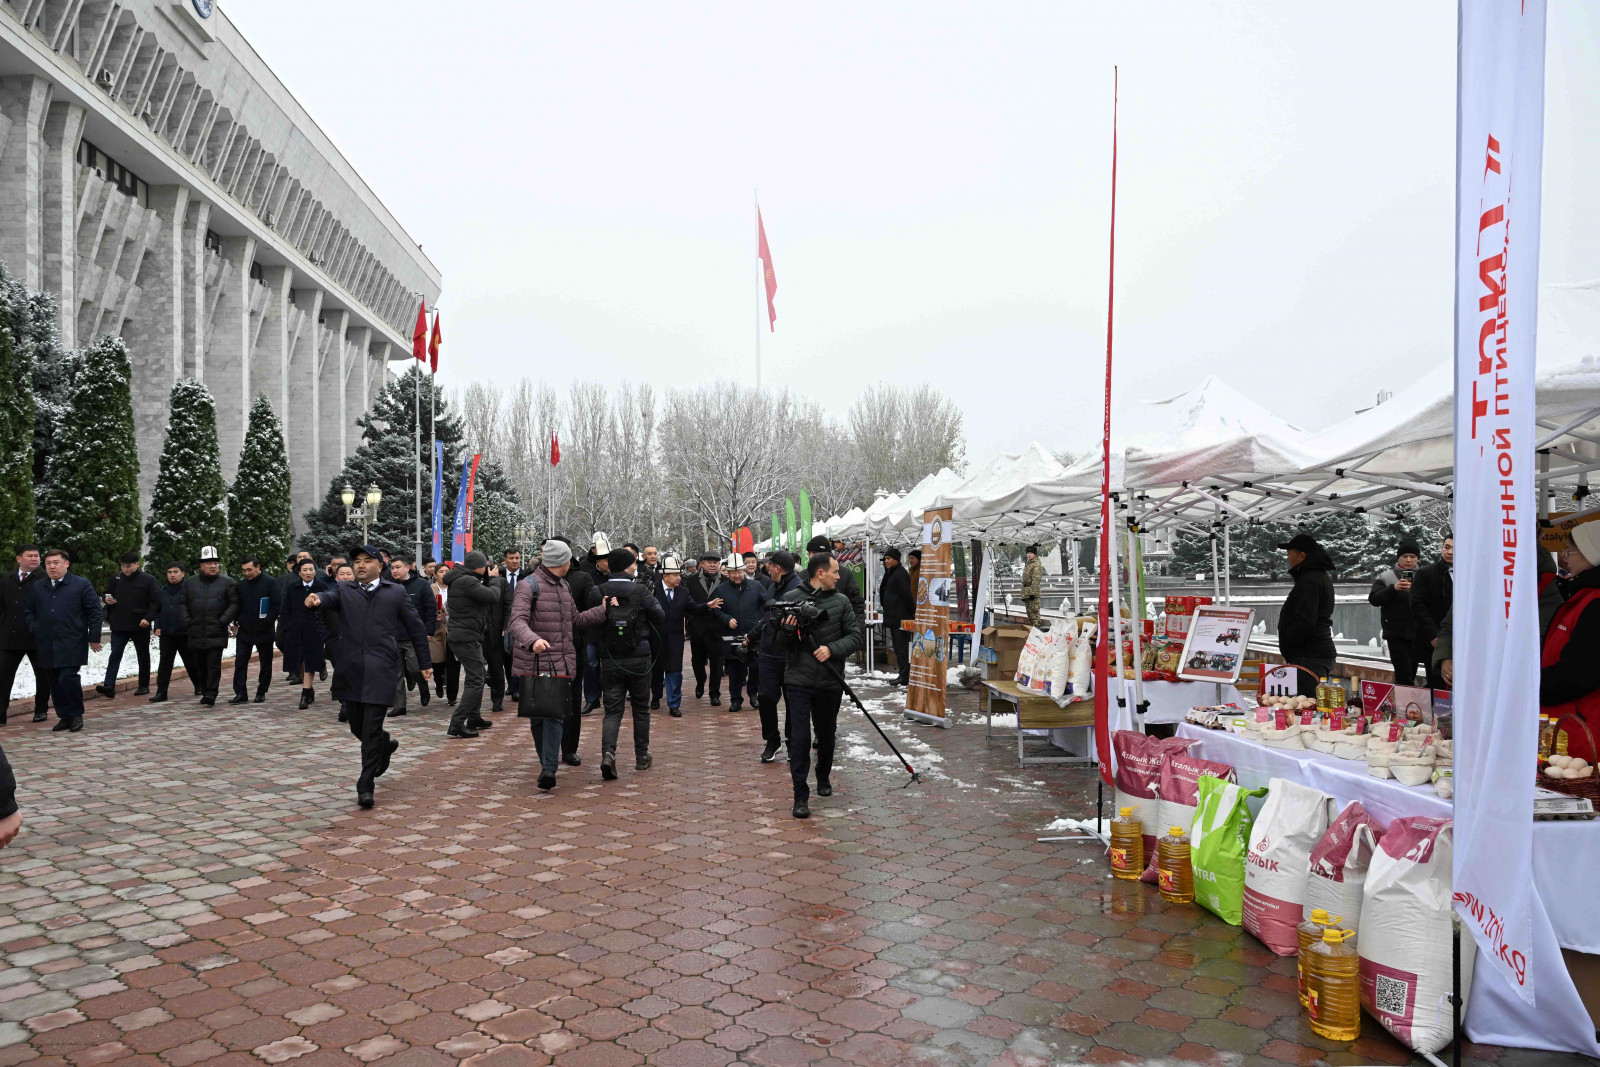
column 1032, row 581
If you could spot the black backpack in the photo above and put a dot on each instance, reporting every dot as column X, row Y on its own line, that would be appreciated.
column 622, row 631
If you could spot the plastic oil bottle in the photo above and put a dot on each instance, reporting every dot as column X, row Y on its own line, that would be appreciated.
column 1174, row 873
column 1310, row 933
column 1334, row 988
column 1127, row 845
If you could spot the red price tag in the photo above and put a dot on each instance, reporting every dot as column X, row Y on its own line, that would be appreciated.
column 1281, row 719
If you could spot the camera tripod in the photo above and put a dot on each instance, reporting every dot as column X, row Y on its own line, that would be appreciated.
column 811, row 646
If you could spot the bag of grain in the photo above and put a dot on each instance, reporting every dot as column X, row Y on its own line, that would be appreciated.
column 1028, row 658
column 1081, row 680
column 1179, row 789
column 1138, row 760
column 1218, row 839
column 1061, row 658
column 1292, row 821
column 1404, row 936
column 1339, row 865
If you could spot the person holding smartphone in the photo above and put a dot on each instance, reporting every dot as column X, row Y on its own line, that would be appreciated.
column 1409, row 647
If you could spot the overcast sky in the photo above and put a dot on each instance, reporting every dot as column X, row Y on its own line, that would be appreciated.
column 935, row 183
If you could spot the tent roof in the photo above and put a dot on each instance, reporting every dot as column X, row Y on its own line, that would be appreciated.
column 1007, row 483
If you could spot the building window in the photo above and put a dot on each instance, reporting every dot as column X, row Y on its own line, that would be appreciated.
column 127, row 182
column 213, row 242
column 256, row 274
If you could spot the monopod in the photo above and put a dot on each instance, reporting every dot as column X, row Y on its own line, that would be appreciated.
column 811, row 644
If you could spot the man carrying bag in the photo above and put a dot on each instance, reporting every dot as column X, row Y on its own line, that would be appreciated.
column 543, row 620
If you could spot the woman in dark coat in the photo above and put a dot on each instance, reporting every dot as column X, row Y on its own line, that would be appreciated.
column 301, row 632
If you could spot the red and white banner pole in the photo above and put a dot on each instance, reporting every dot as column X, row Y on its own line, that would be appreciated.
column 1108, row 638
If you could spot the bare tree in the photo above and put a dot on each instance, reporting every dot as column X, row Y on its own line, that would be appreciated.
column 902, row 435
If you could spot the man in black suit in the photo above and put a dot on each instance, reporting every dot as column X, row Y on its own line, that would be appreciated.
column 513, row 573
column 1431, row 596
column 897, row 604
column 677, row 605
column 705, row 638
column 16, row 640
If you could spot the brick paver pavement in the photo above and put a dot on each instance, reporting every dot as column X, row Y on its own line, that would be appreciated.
column 197, row 885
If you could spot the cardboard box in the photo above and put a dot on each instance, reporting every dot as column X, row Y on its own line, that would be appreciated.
column 1007, row 642
column 1180, row 612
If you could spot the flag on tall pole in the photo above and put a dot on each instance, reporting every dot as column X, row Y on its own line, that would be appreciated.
column 768, row 277
column 419, row 333
column 555, row 449
column 433, row 344
column 550, row 493
column 1108, row 560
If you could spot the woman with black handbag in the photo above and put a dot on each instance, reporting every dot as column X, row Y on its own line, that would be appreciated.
column 543, row 619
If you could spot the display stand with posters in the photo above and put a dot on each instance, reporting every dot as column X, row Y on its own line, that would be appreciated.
column 930, row 641
column 1215, row 648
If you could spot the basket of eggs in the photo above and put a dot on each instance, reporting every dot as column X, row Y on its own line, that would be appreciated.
column 1572, row 775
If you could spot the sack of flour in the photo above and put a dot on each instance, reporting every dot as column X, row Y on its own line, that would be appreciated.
column 1039, row 677
column 1028, row 658
column 1138, row 773
column 1404, row 936
column 1218, row 839
column 1291, row 822
column 1179, row 790
column 1339, row 864
column 1061, row 659
column 1081, row 668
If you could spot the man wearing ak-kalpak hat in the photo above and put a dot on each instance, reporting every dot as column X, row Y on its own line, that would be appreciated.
column 375, row 615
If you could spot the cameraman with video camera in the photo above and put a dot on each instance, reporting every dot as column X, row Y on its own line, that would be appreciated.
column 818, row 630
column 743, row 601
column 624, row 643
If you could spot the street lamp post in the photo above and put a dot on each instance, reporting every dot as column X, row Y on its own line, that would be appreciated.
column 364, row 515
column 524, row 533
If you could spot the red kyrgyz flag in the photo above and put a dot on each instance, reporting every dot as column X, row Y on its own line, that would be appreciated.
column 419, row 335
column 433, row 345
column 767, row 274
column 555, row 449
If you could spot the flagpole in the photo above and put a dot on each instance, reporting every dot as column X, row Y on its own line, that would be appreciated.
column 760, row 289
column 416, row 448
column 433, row 433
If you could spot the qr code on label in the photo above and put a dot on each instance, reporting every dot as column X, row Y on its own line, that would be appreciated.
column 1390, row 994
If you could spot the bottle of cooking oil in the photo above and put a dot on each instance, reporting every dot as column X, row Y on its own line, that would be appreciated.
column 1174, row 874
column 1310, row 933
column 1547, row 736
column 1336, row 695
column 1333, row 993
column 1322, row 694
column 1127, row 845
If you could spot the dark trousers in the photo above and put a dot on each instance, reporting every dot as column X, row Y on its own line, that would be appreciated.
column 706, row 652
column 242, row 647
column 470, row 654
column 752, row 680
column 66, row 690
column 658, row 680
column 901, row 640
column 625, row 681
column 547, row 742
column 175, row 647
column 769, row 676
column 208, row 663
column 10, row 660
column 121, row 639
column 494, row 662
column 366, row 723
column 1407, row 655
column 1320, row 667
column 808, row 709
column 737, row 672
column 572, row 729
column 513, row 682
column 591, row 673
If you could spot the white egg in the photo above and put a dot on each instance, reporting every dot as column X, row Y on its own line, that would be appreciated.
column 1554, row 772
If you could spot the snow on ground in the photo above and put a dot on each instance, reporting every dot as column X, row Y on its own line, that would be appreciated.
column 93, row 673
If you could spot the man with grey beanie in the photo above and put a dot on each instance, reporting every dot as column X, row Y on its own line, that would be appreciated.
column 473, row 596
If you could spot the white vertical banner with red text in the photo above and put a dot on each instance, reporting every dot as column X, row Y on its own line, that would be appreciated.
column 1500, row 144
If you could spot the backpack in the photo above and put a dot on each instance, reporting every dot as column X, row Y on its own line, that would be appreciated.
column 621, row 633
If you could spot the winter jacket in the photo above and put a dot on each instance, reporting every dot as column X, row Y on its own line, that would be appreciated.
column 473, row 602
column 850, row 589
column 702, row 589
column 1305, row 622
column 651, row 617
column 743, row 603
column 767, row 639
column 420, row 590
column 1033, row 580
column 675, row 610
column 209, row 606
column 135, row 595
column 301, row 630
column 371, row 627
column 65, row 619
column 439, row 639
column 1396, row 607
column 553, row 617
column 581, row 585
column 894, row 597
column 509, row 580
column 14, row 631
column 1431, row 593
column 169, row 614
column 837, row 629
column 256, row 623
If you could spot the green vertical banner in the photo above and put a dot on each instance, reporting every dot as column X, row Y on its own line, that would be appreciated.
column 777, row 535
column 788, row 524
column 805, row 518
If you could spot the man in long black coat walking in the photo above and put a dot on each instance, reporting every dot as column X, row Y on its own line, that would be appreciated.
column 897, row 604
column 132, row 603
column 260, row 595
column 375, row 616
column 16, row 640
column 64, row 615
column 209, row 608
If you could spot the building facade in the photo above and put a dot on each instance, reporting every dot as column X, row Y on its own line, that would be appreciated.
column 161, row 182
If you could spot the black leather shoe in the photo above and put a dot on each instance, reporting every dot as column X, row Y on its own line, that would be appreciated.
column 770, row 753
column 109, row 692
column 39, row 716
column 736, row 706
column 590, row 708
column 716, row 701
column 141, row 691
column 547, row 782
column 239, row 698
column 422, row 694
column 655, row 705
column 699, row 692
column 824, row 788
column 411, row 682
column 608, row 767
column 322, row 675
column 364, row 799
column 208, row 702
column 344, row 713
column 76, row 724
column 61, row 726
column 642, row 763
column 397, row 711
column 801, row 811
column 261, row 697
column 676, row 713
column 460, row 731
column 383, row 762
column 158, row 698
column 495, row 706
column 573, row 760
column 306, row 697
column 480, row 723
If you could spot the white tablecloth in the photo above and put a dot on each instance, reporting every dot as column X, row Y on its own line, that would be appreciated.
column 1566, row 867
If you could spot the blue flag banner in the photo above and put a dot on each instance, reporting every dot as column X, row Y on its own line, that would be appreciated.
column 458, row 533
column 438, row 500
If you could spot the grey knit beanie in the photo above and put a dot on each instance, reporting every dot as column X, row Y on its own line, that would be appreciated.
column 555, row 553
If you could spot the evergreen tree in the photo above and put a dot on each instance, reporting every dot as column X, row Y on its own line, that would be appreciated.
column 260, row 516
column 16, row 415
column 89, row 503
column 1404, row 522
column 188, row 509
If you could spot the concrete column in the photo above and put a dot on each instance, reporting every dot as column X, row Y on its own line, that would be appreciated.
column 355, row 390
column 63, row 129
column 380, row 371
column 269, row 364
column 23, row 104
column 192, row 252
column 300, row 423
column 155, row 340
column 227, row 361
column 330, row 398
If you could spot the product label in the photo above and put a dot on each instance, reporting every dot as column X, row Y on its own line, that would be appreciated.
column 1336, row 721
column 1390, row 994
column 1313, row 1002
column 1167, row 880
column 1119, row 859
column 1280, row 719
column 1307, row 717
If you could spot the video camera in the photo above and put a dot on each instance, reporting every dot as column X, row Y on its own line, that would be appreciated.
column 796, row 619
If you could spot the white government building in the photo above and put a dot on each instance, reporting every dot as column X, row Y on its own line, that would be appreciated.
column 160, row 181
